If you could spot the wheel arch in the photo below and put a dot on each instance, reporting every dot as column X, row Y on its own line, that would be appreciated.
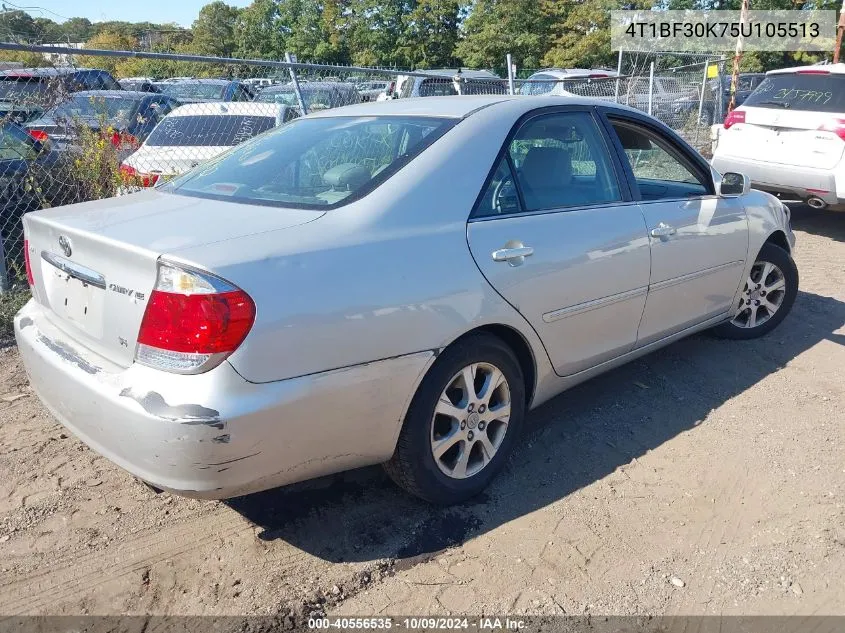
column 517, row 343
column 778, row 238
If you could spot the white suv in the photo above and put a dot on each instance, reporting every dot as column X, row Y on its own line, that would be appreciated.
column 788, row 136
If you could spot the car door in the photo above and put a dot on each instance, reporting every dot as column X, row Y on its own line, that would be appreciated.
column 556, row 234
column 699, row 241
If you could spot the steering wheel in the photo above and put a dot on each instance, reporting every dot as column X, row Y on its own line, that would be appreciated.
column 498, row 193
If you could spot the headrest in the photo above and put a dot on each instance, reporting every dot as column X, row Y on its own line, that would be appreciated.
column 346, row 176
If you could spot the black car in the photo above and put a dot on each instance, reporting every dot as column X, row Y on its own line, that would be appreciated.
column 27, row 93
column 31, row 178
column 717, row 96
column 139, row 85
column 129, row 116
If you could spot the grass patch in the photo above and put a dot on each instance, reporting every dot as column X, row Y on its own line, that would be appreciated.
column 10, row 303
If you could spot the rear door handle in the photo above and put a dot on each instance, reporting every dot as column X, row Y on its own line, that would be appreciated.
column 663, row 230
column 513, row 256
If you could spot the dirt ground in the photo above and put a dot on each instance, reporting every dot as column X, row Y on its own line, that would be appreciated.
column 707, row 478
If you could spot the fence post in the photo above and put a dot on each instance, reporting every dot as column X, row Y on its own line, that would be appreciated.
column 302, row 106
column 4, row 272
column 510, row 73
column 650, row 86
column 701, row 99
column 618, row 74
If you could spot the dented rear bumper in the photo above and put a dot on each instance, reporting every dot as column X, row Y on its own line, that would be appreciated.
column 215, row 435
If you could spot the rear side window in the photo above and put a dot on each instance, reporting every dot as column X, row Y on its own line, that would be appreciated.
column 794, row 91
column 314, row 163
column 208, row 130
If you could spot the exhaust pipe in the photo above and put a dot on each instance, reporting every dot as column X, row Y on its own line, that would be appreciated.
column 816, row 203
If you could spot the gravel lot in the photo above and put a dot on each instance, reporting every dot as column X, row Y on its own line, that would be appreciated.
column 706, row 478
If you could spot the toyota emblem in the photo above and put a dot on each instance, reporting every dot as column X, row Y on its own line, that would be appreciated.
column 64, row 243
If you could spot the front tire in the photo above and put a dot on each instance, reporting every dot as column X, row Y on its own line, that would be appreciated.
column 766, row 297
column 462, row 423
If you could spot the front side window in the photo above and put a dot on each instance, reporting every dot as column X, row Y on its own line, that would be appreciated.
column 195, row 90
column 661, row 171
column 314, row 163
column 561, row 161
column 15, row 144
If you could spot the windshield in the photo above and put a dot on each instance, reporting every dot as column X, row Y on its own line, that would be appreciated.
column 96, row 106
column 314, row 163
column 208, row 130
column 15, row 144
column 195, row 90
column 314, row 99
column 793, row 91
column 23, row 89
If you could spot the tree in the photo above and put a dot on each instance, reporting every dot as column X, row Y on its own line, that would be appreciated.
column 432, row 33
column 377, row 26
column 259, row 33
column 214, row 30
column 18, row 26
column 107, row 40
column 77, row 30
column 316, row 29
column 495, row 28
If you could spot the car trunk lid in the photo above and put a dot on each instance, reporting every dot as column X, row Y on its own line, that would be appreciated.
column 95, row 264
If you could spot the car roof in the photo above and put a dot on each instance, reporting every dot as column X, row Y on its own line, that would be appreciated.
column 216, row 82
column 114, row 93
column 309, row 85
column 832, row 69
column 460, row 106
column 227, row 108
column 44, row 72
column 569, row 73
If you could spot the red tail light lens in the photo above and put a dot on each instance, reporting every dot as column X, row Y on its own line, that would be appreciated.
column 737, row 116
column 29, row 278
column 122, row 140
column 39, row 135
column 813, row 71
column 192, row 321
column 130, row 176
column 837, row 126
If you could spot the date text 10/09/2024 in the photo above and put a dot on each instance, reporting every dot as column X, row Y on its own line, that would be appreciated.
column 417, row 623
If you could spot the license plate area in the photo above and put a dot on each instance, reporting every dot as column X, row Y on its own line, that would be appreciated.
column 75, row 294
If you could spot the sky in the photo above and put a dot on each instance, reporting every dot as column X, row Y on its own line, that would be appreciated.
column 183, row 12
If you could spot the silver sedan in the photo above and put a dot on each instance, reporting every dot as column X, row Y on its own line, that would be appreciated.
column 393, row 282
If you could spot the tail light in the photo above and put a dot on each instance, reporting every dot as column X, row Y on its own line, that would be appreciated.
column 837, row 126
column 193, row 321
column 736, row 116
column 813, row 71
column 29, row 278
column 39, row 135
column 123, row 140
column 131, row 176
column 391, row 87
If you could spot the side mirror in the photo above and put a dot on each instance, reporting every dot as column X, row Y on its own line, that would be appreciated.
column 734, row 184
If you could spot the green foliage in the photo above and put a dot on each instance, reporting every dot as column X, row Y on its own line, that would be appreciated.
column 10, row 303
column 214, row 30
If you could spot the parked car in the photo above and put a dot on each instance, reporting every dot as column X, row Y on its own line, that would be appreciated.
column 140, row 85
column 388, row 282
column 207, row 90
column 664, row 93
column 789, row 136
column 598, row 83
column 26, row 93
column 318, row 95
column 126, row 116
column 194, row 133
column 717, row 96
column 371, row 90
column 259, row 83
column 475, row 82
column 29, row 179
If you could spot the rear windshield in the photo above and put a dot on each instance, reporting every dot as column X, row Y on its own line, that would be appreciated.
column 208, row 130
column 314, row 163
column 23, row 89
column 815, row 93
column 91, row 106
column 189, row 90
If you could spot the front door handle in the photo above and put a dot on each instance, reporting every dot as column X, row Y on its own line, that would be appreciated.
column 663, row 230
column 513, row 255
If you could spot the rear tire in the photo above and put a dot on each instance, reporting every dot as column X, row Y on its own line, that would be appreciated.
column 472, row 432
column 766, row 298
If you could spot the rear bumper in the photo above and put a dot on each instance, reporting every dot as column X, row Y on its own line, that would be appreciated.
column 800, row 182
column 215, row 435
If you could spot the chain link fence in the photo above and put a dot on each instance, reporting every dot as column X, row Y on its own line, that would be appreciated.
column 106, row 123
